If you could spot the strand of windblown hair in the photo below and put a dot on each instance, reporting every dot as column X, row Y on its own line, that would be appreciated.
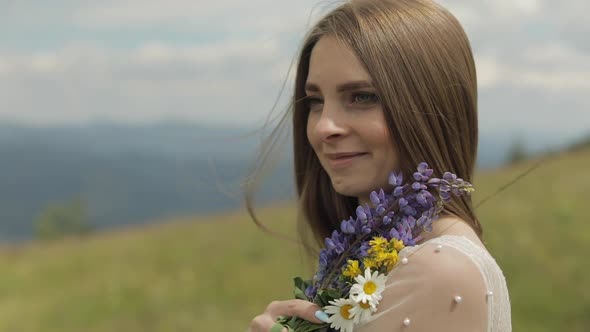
column 502, row 188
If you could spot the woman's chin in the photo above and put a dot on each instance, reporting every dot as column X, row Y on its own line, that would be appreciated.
column 362, row 192
column 350, row 190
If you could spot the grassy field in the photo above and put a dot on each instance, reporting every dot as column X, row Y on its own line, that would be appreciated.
column 215, row 273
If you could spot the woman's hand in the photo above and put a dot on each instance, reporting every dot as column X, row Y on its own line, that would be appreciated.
column 290, row 308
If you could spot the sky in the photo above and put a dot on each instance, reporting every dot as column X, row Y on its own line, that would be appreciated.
column 224, row 62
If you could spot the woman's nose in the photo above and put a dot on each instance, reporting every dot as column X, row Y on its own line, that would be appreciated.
column 332, row 122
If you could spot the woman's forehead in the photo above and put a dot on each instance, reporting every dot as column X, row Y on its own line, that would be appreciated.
column 333, row 64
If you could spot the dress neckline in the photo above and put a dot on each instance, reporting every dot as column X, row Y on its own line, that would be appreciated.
column 447, row 236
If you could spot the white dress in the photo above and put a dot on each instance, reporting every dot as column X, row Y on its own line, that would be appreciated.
column 447, row 283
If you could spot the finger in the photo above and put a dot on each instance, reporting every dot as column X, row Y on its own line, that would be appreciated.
column 278, row 328
column 262, row 323
column 298, row 308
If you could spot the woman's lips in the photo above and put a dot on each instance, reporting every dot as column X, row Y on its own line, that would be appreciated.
column 343, row 160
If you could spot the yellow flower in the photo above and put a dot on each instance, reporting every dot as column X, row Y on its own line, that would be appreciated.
column 397, row 244
column 352, row 269
column 369, row 262
column 378, row 241
column 377, row 245
column 388, row 260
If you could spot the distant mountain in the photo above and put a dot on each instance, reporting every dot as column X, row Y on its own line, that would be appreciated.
column 134, row 174
column 126, row 174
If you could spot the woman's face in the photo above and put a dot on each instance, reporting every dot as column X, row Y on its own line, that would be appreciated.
column 346, row 127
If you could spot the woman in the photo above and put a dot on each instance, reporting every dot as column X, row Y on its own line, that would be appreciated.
column 382, row 85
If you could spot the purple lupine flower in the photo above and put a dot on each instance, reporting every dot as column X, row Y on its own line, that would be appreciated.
column 417, row 176
column 324, row 256
column 360, row 213
column 368, row 211
column 382, row 196
column 426, row 199
column 423, row 172
column 402, row 234
column 347, row 226
column 372, row 224
column 393, row 233
column 421, row 221
column 428, row 224
column 402, row 202
column 336, row 243
column 364, row 248
column 446, row 197
column 386, row 220
column 375, row 198
column 434, row 181
column 423, row 168
column 416, row 186
column 421, row 199
column 408, row 238
column 409, row 210
column 396, row 179
column 398, row 191
column 311, row 291
column 361, row 250
column 450, row 177
column 366, row 229
column 411, row 221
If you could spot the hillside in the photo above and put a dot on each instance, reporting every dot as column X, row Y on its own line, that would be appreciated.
column 215, row 273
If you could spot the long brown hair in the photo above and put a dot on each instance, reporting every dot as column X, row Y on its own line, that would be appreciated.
column 421, row 64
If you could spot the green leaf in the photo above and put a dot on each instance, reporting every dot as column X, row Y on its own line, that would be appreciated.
column 296, row 324
column 299, row 283
column 299, row 294
column 300, row 287
column 326, row 295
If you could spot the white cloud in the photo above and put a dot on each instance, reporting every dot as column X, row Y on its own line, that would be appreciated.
column 552, row 53
column 235, row 80
column 514, row 8
column 519, row 45
column 44, row 63
column 252, row 14
column 489, row 71
column 154, row 53
column 547, row 67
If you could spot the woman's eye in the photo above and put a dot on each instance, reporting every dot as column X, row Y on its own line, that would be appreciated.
column 364, row 98
column 313, row 103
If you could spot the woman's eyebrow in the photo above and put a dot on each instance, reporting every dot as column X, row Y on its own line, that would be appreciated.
column 348, row 86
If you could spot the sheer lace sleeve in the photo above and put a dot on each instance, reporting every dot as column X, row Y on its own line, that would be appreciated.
column 437, row 287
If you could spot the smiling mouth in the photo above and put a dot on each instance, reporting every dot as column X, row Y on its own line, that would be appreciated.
column 339, row 161
column 338, row 156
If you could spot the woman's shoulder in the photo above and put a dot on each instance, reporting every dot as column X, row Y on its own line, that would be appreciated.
column 433, row 285
column 450, row 281
column 449, row 263
column 457, row 257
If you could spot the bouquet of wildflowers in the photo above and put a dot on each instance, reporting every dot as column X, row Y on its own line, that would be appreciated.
column 356, row 259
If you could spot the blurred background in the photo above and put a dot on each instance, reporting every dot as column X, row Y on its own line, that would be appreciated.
column 127, row 130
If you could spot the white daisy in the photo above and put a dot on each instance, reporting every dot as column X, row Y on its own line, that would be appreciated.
column 362, row 311
column 368, row 288
column 341, row 317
